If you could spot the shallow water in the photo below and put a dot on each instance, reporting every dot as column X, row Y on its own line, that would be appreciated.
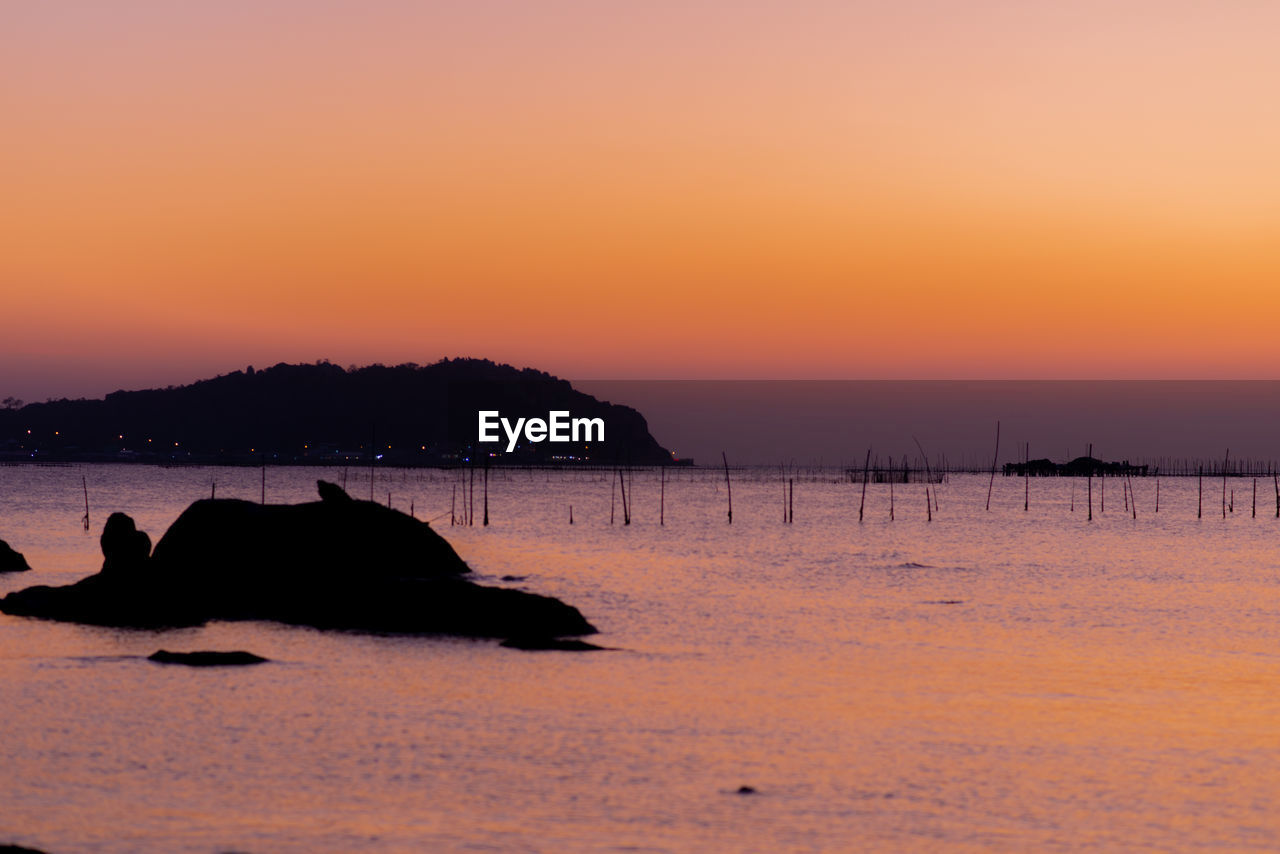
column 1005, row 680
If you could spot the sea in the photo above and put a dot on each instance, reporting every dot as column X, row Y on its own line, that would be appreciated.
column 975, row 665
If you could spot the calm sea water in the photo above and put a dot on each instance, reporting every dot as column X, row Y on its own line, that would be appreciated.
column 1007, row 680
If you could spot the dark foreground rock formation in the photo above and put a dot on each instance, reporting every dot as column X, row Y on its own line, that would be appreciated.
column 337, row 563
column 206, row 658
column 10, row 560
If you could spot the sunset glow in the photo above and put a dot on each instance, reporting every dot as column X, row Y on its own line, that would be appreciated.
column 660, row 190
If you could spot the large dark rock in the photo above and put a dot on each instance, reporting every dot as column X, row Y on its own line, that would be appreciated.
column 10, row 560
column 338, row 563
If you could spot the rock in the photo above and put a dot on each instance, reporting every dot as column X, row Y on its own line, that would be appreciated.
column 10, row 560
column 124, row 547
column 745, row 790
column 206, row 658
column 338, row 563
column 18, row 849
column 534, row 644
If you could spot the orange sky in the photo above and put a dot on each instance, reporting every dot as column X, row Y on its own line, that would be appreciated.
column 693, row 189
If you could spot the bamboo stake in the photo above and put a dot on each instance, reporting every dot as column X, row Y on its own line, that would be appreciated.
column 994, row 458
column 1157, row 494
column 928, row 473
column 866, row 472
column 1200, row 492
column 1255, row 498
column 728, row 485
column 626, row 508
column 1225, row 460
column 928, row 505
column 791, row 500
column 85, row 484
column 1090, row 482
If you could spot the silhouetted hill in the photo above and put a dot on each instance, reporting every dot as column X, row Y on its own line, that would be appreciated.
column 319, row 413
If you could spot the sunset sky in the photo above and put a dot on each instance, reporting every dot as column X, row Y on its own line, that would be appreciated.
column 710, row 189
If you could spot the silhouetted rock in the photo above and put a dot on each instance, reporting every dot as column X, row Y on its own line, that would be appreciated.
column 10, row 560
column 338, row 563
column 745, row 790
column 537, row 644
column 206, row 658
column 18, row 849
column 124, row 547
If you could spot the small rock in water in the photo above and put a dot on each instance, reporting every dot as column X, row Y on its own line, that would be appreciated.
column 11, row 561
column 514, row 577
column 533, row 644
column 206, row 658
column 745, row 790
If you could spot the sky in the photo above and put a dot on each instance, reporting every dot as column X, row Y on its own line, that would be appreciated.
column 688, row 190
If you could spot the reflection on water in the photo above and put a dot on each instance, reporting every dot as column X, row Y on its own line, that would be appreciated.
column 1002, row 680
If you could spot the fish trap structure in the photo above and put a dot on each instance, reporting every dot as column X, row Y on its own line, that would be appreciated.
column 1079, row 467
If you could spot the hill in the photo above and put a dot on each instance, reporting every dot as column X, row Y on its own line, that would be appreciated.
column 322, row 413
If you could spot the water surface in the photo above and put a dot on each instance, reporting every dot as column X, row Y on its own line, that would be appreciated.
column 991, row 680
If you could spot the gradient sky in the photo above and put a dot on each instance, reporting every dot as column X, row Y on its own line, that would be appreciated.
column 740, row 189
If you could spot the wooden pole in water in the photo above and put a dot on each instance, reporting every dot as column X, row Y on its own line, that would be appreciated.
column 928, row 505
column 1157, row 494
column 1133, row 499
column 613, row 491
column 928, row 472
column 1090, row 482
column 1276, row 477
column 471, row 493
column 1073, row 495
column 626, row 508
column 890, row 499
column 728, row 485
column 1200, row 492
column 791, row 500
column 213, row 489
column 453, row 505
column 1255, row 498
column 1026, row 477
column 570, row 514
column 85, row 483
column 996, row 456
column 1225, row 460
column 866, row 473
column 486, row 493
